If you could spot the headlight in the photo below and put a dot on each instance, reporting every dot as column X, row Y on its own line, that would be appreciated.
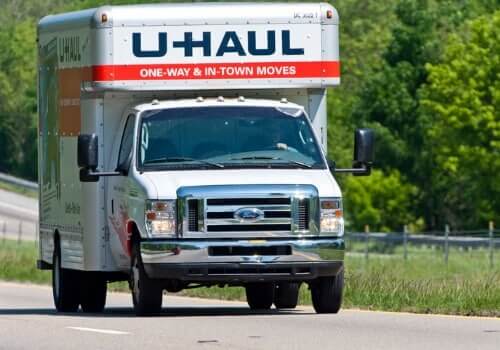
column 331, row 218
column 160, row 217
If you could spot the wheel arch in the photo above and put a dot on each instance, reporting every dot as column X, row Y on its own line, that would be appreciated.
column 133, row 235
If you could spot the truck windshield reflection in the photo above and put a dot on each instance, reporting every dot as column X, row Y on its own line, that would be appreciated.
column 219, row 137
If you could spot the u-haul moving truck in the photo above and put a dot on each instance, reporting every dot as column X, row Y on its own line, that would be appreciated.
column 184, row 145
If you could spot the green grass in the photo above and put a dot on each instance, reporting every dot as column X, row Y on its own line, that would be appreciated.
column 423, row 283
column 18, row 263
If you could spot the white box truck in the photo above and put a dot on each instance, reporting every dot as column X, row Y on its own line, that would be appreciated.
column 184, row 145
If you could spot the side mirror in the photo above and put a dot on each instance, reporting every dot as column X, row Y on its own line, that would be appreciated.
column 88, row 159
column 364, row 140
column 88, row 151
column 364, row 145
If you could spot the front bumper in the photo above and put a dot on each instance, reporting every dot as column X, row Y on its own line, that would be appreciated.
column 242, row 260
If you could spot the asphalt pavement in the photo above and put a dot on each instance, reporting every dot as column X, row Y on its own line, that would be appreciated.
column 29, row 321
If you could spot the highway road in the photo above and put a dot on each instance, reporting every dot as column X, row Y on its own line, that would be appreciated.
column 28, row 321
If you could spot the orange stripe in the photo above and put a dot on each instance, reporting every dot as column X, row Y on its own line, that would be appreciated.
column 70, row 82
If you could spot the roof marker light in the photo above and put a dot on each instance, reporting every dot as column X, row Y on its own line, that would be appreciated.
column 329, row 14
column 104, row 18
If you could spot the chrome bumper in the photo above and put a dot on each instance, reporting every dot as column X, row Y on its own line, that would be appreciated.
column 242, row 260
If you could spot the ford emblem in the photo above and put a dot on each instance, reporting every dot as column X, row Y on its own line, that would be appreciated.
column 249, row 214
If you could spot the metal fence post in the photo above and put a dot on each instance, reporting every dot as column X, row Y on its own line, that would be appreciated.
column 405, row 242
column 490, row 233
column 446, row 248
column 20, row 232
column 367, row 241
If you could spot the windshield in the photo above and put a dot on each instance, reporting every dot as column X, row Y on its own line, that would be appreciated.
column 227, row 137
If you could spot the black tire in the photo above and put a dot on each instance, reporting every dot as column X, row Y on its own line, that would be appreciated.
column 65, row 284
column 260, row 295
column 326, row 293
column 146, row 294
column 93, row 292
column 286, row 295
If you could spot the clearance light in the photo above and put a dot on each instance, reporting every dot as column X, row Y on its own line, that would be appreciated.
column 329, row 14
column 160, row 218
column 331, row 217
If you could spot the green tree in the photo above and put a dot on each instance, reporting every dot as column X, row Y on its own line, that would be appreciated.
column 388, row 99
column 17, row 99
column 384, row 201
column 461, row 106
column 364, row 33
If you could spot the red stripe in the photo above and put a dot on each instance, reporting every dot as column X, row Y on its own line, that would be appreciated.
column 254, row 70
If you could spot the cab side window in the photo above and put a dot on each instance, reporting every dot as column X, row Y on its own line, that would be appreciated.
column 125, row 155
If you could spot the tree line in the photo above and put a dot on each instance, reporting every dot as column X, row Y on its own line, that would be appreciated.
column 425, row 74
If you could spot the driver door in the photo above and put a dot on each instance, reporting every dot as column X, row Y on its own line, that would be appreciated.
column 117, row 193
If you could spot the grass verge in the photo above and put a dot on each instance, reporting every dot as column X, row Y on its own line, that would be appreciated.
column 423, row 283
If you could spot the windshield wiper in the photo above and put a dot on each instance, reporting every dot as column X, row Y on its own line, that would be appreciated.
column 182, row 159
column 303, row 165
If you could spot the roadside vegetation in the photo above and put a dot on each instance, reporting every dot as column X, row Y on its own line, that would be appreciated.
column 422, row 284
column 422, row 73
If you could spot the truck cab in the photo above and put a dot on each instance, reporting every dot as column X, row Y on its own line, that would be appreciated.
column 209, row 170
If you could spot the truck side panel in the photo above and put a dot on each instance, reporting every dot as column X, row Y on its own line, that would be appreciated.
column 64, row 63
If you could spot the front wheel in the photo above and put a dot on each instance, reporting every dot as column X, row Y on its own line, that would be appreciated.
column 65, row 284
column 146, row 294
column 93, row 294
column 260, row 295
column 326, row 293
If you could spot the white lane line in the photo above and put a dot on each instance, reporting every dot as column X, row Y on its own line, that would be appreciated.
column 96, row 330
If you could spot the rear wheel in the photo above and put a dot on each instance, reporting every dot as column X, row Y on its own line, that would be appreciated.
column 146, row 294
column 93, row 292
column 286, row 295
column 65, row 284
column 326, row 293
column 260, row 295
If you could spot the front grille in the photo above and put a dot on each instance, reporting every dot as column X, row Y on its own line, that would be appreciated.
column 248, row 228
column 220, row 214
column 303, row 215
column 193, row 215
column 247, row 211
column 248, row 201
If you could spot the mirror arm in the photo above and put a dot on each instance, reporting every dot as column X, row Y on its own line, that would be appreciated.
column 363, row 170
column 104, row 173
column 90, row 175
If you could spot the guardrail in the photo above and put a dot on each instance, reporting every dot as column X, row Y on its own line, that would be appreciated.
column 374, row 242
column 18, row 182
column 468, row 241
